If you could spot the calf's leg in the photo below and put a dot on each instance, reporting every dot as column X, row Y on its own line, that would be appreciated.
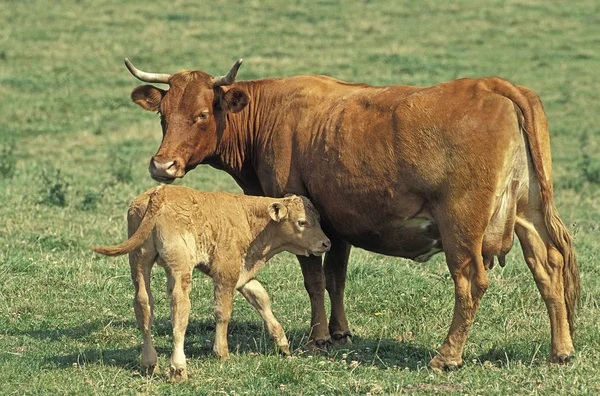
column 141, row 261
column 179, row 285
column 335, row 266
column 257, row 296
column 223, row 292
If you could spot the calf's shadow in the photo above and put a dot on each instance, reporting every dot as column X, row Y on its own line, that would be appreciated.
column 252, row 338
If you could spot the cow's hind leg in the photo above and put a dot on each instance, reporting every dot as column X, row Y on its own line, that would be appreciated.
column 141, row 261
column 257, row 296
column 462, row 246
column 335, row 266
column 547, row 265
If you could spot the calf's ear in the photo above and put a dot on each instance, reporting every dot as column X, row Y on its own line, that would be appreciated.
column 277, row 211
column 148, row 97
column 235, row 100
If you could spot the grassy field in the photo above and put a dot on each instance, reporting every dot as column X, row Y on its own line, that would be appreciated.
column 74, row 152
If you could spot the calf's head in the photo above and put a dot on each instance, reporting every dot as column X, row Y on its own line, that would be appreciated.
column 192, row 114
column 297, row 226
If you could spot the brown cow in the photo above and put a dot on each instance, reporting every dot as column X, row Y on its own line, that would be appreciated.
column 228, row 237
column 457, row 167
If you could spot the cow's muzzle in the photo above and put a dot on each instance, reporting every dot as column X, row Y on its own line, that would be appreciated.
column 166, row 171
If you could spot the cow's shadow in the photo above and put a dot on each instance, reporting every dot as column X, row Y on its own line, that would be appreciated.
column 251, row 338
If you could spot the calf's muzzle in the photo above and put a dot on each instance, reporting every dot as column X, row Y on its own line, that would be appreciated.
column 321, row 247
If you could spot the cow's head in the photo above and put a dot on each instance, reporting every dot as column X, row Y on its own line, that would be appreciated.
column 192, row 111
column 297, row 227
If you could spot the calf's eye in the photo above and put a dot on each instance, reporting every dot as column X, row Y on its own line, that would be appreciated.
column 303, row 223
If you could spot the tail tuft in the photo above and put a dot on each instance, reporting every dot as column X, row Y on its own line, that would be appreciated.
column 564, row 243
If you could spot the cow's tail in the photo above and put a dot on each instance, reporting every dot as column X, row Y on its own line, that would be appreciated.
column 536, row 129
column 143, row 231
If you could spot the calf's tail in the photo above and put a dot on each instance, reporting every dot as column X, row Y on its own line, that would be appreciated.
column 143, row 231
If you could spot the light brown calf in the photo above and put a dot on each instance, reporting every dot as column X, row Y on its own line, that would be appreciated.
column 228, row 237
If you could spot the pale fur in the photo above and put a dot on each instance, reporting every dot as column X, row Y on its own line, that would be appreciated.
column 228, row 237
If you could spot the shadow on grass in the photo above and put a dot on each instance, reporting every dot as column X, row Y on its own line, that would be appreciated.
column 384, row 353
column 127, row 358
column 244, row 338
column 57, row 333
column 251, row 338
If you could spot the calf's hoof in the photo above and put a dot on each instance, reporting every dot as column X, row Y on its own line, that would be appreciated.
column 150, row 370
column 560, row 358
column 178, row 374
column 439, row 364
column 222, row 355
column 149, row 361
column 341, row 338
column 284, row 350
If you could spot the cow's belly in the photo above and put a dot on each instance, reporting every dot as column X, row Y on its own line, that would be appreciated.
column 373, row 211
column 417, row 238
column 384, row 220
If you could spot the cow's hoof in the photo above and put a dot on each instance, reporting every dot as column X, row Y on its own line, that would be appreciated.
column 150, row 370
column 340, row 338
column 178, row 374
column 561, row 358
column 439, row 365
column 318, row 347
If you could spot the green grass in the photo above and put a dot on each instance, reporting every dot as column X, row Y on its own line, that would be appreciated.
column 74, row 152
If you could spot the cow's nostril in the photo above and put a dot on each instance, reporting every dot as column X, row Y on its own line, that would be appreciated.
column 327, row 244
column 164, row 169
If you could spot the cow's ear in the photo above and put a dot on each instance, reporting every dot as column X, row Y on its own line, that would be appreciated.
column 277, row 211
column 235, row 100
column 148, row 97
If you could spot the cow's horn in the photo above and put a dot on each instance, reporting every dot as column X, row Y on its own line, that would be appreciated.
column 230, row 77
column 147, row 77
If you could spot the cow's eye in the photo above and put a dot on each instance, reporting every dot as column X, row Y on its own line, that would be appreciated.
column 203, row 116
column 303, row 223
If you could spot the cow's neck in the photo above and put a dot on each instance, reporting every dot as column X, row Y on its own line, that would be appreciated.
column 246, row 133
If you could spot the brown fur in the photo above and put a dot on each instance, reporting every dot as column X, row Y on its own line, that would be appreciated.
column 228, row 237
column 558, row 232
column 455, row 167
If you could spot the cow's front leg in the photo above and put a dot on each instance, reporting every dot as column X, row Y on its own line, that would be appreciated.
column 314, row 282
column 179, row 284
column 335, row 266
